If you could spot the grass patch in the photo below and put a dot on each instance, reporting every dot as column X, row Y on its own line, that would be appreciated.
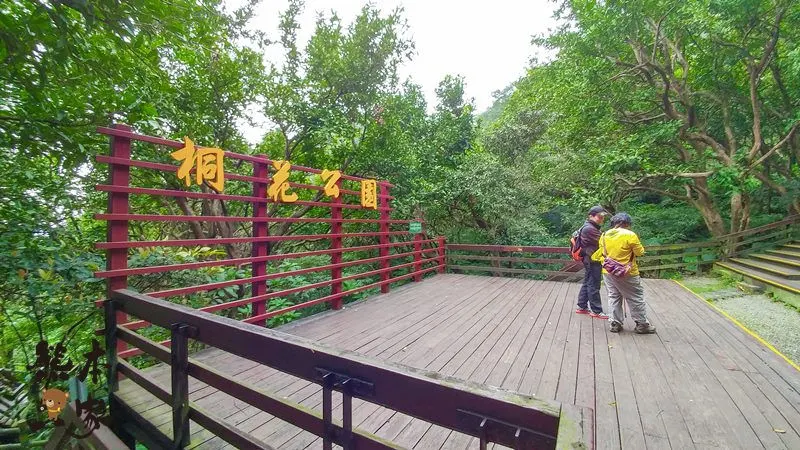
column 702, row 285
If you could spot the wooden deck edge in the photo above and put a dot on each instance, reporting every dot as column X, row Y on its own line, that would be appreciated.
column 324, row 314
column 740, row 325
column 576, row 429
column 141, row 429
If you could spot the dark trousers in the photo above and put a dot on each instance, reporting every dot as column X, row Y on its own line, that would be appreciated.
column 590, row 291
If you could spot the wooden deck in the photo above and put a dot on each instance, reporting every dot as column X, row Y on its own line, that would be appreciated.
column 700, row 382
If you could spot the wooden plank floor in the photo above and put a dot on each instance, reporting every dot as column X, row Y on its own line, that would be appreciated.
column 700, row 382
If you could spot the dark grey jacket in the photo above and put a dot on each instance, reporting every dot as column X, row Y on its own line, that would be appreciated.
column 590, row 238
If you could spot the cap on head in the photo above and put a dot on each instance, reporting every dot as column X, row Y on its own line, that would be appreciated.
column 598, row 210
column 621, row 218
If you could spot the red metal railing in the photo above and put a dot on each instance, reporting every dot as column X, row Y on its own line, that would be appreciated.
column 398, row 254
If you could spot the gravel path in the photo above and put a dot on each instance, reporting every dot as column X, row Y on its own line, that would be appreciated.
column 775, row 322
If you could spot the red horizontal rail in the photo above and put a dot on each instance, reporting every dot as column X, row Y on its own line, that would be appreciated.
column 506, row 248
column 228, row 176
column 179, row 144
column 341, row 294
column 277, row 294
column 241, row 198
column 166, row 167
column 272, row 276
column 179, row 193
column 249, row 260
column 193, row 242
column 136, row 351
column 178, row 218
column 285, row 292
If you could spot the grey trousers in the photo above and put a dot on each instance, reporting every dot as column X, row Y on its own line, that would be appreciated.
column 629, row 288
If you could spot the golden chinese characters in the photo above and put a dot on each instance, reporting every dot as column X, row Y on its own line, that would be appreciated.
column 280, row 183
column 331, row 177
column 208, row 162
column 369, row 197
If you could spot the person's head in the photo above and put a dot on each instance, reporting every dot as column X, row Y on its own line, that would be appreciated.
column 621, row 220
column 597, row 214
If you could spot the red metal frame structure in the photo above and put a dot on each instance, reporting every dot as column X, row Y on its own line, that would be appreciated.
column 394, row 261
column 486, row 413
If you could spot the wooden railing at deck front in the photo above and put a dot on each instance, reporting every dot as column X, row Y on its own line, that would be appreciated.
column 489, row 414
column 555, row 263
column 509, row 260
column 695, row 256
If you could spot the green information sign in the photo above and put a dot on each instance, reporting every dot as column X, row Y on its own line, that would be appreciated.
column 415, row 227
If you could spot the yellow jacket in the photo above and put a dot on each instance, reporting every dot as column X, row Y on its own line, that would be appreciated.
column 622, row 245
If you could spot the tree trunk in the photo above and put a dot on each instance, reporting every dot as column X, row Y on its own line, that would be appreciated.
column 710, row 213
column 224, row 229
column 196, row 227
column 740, row 220
column 740, row 212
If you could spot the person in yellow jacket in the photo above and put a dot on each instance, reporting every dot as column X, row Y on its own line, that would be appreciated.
column 623, row 245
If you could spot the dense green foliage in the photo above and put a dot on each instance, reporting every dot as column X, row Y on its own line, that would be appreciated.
column 696, row 103
column 683, row 114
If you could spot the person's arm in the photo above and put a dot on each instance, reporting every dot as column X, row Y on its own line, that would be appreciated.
column 636, row 246
column 598, row 254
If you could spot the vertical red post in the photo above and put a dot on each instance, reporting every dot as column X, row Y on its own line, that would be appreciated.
column 117, row 230
column 442, row 262
column 336, row 243
column 417, row 256
column 384, row 237
column 260, row 229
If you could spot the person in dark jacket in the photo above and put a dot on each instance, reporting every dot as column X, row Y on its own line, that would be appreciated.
column 589, row 297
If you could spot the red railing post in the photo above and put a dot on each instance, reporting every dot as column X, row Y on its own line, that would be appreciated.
column 336, row 243
column 417, row 255
column 442, row 262
column 117, row 230
column 384, row 237
column 260, row 229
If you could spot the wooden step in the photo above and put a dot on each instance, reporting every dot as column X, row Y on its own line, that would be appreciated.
column 793, row 246
column 775, row 281
column 770, row 268
column 782, row 261
column 788, row 254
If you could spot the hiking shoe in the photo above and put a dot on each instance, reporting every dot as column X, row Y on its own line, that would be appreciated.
column 600, row 315
column 644, row 328
column 616, row 327
column 581, row 311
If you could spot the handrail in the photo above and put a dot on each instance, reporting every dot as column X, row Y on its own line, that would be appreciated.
column 684, row 255
column 787, row 221
column 467, row 254
column 491, row 414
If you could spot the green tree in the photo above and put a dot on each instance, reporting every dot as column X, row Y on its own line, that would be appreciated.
column 692, row 101
column 69, row 67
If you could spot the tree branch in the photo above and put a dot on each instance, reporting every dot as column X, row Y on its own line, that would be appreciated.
column 643, row 119
column 756, row 71
column 775, row 148
column 195, row 226
column 639, row 187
